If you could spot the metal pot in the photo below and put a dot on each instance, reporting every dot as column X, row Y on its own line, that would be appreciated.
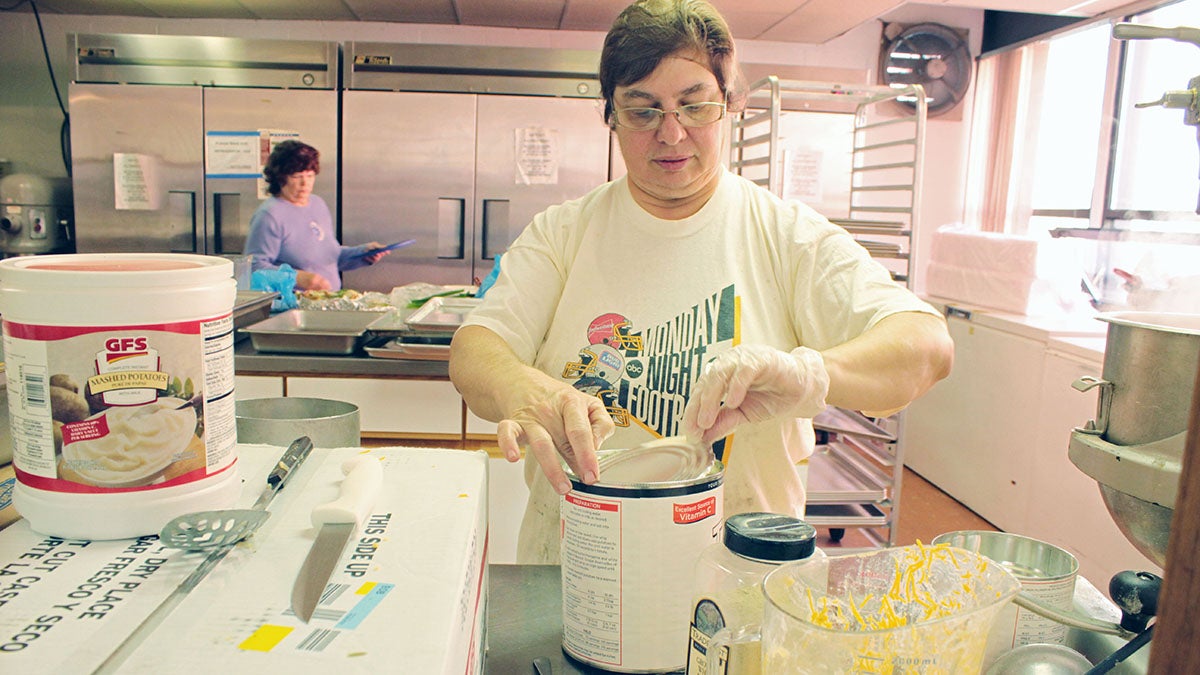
column 278, row 421
column 1150, row 360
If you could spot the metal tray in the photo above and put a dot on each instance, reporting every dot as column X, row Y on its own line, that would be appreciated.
column 442, row 313
column 250, row 307
column 397, row 349
column 842, row 421
column 299, row 331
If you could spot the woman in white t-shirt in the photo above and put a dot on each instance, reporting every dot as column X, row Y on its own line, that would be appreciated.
column 682, row 299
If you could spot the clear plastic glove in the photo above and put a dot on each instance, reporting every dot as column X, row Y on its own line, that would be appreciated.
column 754, row 383
column 564, row 426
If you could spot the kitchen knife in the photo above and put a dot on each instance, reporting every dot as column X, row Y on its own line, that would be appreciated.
column 337, row 520
column 284, row 469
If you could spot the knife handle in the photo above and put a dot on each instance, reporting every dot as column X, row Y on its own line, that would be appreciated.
column 360, row 487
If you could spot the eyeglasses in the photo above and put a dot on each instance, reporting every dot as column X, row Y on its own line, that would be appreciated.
column 690, row 115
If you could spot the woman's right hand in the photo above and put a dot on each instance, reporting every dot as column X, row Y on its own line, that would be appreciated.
column 311, row 281
column 563, row 422
column 549, row 417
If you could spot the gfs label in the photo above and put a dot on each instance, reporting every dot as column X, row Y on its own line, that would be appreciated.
column 127, row 372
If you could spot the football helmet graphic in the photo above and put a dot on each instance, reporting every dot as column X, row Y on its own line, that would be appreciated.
column 620, row 416
column 614, row 330
column 596, row 362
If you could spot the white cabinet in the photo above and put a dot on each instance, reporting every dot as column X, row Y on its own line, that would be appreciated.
column 972, row 435
column 429, row 408
column 387, row 407
column 257, row 386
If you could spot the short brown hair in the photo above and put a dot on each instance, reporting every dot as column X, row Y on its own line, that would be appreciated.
column 287, row 158
column 649, row 31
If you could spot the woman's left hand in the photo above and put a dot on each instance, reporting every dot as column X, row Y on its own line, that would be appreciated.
column 372, row 258
column 754, row 383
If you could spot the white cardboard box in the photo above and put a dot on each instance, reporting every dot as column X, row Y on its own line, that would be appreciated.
column 408, row 595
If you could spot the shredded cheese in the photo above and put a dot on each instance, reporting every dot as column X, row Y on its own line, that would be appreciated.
column 910, row 597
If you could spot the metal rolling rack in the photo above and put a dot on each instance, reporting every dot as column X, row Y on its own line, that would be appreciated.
column 854, row 475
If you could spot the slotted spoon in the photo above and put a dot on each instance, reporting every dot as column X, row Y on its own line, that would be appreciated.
column 212, row 529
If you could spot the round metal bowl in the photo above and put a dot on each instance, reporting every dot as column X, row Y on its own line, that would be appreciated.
column 279, row 421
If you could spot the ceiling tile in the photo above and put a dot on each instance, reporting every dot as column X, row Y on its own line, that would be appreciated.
column 283, row 10
column 596, row 15
column 750, row 25
column 1066, row 7
column 93, row 7
column 819, row 21
column 801, row 21
column 511, row 13
column 406, row 11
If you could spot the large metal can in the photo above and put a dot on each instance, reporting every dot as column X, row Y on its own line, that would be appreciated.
column 629, row 549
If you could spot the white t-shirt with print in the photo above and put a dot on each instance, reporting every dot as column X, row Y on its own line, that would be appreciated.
column 629, row 307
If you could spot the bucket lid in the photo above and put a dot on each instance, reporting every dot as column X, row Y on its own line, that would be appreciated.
column 769, row 536
column 112, row 270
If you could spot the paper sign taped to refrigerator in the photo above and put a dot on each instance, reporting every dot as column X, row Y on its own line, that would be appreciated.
column 537, row 156
column 135, row 182
column 232, row 154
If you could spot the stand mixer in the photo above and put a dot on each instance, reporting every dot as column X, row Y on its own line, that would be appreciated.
column 1134, row 448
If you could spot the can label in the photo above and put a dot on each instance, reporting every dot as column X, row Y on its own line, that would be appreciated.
column 627, row 571
column 120, row 408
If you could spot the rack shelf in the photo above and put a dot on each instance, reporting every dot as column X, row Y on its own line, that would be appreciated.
column 856, row 151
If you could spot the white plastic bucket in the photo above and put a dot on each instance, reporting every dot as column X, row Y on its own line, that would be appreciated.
column 629, row 549
column 120, row 382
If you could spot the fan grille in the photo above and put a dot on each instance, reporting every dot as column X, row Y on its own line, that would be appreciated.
column 933, row 56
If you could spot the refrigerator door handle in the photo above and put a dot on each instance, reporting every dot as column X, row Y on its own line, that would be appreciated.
column 452, row 227
column 227, row 208
column 181, row 220
column 495, row 220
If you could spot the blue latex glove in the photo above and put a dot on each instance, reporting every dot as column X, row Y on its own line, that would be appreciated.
column 281, row 281
column 490, row 279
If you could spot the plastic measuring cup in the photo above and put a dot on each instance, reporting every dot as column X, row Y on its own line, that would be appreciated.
column 903, row 610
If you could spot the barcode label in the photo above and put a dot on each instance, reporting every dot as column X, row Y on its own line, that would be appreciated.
column 34, row 380
column 332, row 593
column 318, row 640
column 322, row 614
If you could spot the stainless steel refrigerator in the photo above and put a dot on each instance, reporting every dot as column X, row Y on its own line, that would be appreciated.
column 426, row 157
column 169, row 135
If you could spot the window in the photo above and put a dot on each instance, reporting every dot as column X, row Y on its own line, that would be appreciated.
column 1059, row 148
column 1066, row 154
column 1081, row 156
column 1156, row 169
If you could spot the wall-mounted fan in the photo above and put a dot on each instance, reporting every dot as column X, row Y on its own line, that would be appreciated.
column 931, row 55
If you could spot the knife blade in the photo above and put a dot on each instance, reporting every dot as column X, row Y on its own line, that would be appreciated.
column 337, row 520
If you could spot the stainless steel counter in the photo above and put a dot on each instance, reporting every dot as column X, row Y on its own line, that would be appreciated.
column 524, row 621
column 249, row 361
